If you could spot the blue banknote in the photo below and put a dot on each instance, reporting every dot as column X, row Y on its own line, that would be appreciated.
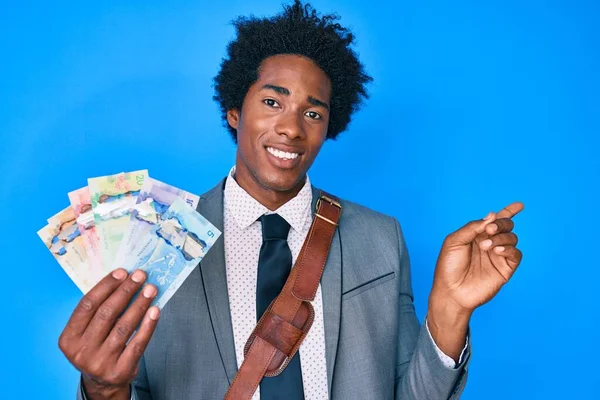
column 173, row 247
column 153, row 201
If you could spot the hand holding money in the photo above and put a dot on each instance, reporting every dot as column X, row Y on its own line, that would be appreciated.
column 152, row 233
column 95, row 339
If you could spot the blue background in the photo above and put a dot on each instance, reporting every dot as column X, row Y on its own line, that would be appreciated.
column 473, row 106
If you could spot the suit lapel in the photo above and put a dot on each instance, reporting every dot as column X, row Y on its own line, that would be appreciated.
column 214, row 278
column 331, row 288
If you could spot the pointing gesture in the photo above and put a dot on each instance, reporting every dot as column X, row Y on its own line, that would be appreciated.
column 478, row 259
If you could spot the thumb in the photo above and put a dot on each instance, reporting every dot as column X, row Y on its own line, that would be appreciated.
column 469, row 232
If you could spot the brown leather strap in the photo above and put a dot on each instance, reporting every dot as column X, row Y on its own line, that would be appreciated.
column 283, row 327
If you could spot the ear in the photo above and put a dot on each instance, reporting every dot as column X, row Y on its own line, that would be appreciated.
column 233, row 118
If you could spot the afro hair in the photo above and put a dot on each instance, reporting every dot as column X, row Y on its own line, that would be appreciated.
column 299, row 31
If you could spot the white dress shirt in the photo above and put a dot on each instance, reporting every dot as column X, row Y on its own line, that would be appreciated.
column 243, row 239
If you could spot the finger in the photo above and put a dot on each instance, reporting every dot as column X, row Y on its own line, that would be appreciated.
column 87, row 307
column 130, row 357
column 111, row 308
column 512, row 255
column 499, row 226
column 469, row 232
column 511, row 210
column 502, row 239
column 124, row 328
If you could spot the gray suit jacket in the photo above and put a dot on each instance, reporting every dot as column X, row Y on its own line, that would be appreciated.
column 375, row 346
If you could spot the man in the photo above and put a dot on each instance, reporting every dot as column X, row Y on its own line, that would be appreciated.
column 289, row 83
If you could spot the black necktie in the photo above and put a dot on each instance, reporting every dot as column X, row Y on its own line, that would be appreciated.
column 274, row 265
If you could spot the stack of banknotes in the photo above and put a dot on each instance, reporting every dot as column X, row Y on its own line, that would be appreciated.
column 130, row 221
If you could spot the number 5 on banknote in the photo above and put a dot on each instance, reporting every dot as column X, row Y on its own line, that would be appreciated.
column 173, row 248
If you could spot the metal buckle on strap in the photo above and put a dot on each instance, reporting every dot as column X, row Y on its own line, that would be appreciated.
column 326, row 219
column 330, row 201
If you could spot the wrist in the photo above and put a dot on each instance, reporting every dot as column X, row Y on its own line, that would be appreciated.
column 97, row 391
column 447, row 314
column 448, row 324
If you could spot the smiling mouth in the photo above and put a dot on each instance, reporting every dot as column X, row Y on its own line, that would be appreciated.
column 283, row 155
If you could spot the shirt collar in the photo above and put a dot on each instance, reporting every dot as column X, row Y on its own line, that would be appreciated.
column 246, row 209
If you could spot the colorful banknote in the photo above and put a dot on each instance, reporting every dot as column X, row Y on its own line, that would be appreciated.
column 173, row 247
column 81, row 203
column 140, row 222
column 153, row 200
column 113, row 199
column 61, row 236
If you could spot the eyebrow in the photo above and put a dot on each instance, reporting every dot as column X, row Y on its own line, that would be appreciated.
column 284, row 91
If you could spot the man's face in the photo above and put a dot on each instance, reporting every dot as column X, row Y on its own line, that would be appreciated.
column 282, row 124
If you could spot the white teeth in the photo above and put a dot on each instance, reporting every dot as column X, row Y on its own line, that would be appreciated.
column 282, row 154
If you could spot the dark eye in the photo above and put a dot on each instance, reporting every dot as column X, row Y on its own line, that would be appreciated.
column 270, row 102
column 313, row 115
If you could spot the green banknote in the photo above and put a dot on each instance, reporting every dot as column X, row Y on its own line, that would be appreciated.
column 113, row 200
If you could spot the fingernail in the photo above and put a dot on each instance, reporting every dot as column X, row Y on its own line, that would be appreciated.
column 149, row 292
column 493, row 228
column 153, row 313
column 499, row 249
column 486, row 243
column 488, row 216
column 119, row 274
column 137, row 276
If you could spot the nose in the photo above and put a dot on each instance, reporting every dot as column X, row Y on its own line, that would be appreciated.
column 290, row 125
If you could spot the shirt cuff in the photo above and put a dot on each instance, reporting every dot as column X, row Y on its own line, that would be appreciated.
column 82, row 391
column 447, row 360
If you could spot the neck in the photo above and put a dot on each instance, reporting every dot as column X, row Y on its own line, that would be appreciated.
column 270, row 198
